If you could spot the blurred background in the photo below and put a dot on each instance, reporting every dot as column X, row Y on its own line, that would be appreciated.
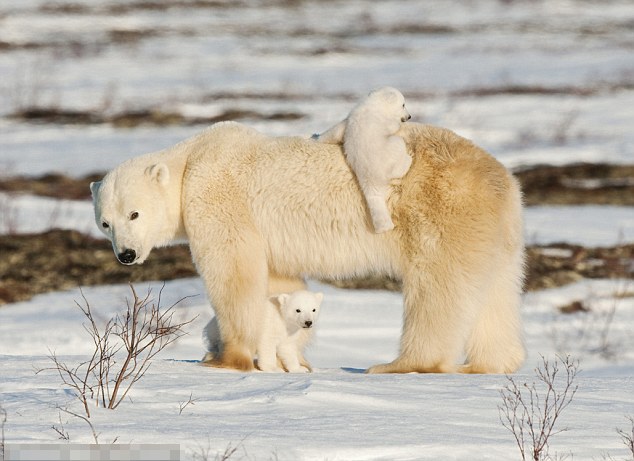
column 547, row 87
column 100, row 81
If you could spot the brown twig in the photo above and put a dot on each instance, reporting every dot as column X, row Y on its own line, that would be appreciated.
column 143, row 331
column 530, row 412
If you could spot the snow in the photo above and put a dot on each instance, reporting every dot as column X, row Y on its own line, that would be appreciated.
column 572, row 63
column 337, row 412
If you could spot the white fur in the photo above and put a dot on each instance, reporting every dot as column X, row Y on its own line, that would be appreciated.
column 374, row 151
column 260, row 213
column 287, row 328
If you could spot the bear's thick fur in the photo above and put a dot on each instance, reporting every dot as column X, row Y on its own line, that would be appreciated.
column 374, row 151
column 261, row 213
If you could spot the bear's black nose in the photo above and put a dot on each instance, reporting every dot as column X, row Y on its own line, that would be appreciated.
column 308, row 323
column 127, row 257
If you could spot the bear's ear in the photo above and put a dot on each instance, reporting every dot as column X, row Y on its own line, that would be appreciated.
column 94, row 188
column 282, row 299
column 320, row 297
column 159, row 173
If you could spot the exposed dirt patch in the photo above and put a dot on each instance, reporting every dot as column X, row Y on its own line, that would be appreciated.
column 583, row 183
column 51, row 185
column 556, row 265
column 60, row 260
column 131, row 119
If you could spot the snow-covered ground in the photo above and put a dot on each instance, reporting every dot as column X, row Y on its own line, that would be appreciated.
column 532, row 82
column 335, row 413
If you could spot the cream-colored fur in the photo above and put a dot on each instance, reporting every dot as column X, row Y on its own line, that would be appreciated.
column 260, row 213
column 373, row 150
column 286, row 330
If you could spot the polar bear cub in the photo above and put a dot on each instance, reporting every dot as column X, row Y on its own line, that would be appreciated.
column 373, row 150
column 286, row 329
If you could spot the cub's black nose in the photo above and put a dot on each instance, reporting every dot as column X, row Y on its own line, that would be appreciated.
column 308, row 323
column 127, row 257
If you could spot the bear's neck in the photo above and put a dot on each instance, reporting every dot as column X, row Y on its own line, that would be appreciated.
column 176, row 160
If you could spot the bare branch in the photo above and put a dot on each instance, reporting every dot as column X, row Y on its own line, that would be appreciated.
column 123, row 350
column 628, row 437
column 95, row 436
column 63, row 434
column 3, row 420
column 530, row 411
column 183, row 405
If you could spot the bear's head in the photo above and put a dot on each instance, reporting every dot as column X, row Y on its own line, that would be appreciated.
column 132, row 210
column 390, row 103
column 299, row 309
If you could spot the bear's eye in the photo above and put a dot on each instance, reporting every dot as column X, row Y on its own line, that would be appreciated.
column 314, row 310
column 105, row 225
column 298, row 310
column 134, row 215
column 403, row 105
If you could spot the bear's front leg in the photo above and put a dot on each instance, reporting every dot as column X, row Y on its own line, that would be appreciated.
column 267, row 358
column 379, row 212
column 288, row 354
column 233, row 267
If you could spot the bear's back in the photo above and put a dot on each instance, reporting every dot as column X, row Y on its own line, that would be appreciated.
column 306, row 204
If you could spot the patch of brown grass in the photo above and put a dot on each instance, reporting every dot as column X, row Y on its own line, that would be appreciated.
column 62, row 260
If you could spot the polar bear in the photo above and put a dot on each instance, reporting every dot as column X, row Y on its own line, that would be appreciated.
column 287, row 329
column 373, row 150
column 260, row 213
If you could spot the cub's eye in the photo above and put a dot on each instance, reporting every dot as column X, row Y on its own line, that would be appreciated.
column 403, row 105
column 298, row 310
column 134, row 215
column 105, row 225
column 314, row 310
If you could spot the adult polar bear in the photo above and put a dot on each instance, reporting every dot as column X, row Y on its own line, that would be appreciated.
column 260, row 213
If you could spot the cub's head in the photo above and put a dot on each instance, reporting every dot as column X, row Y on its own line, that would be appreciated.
column 391, row 103
column 131, row 209
column 300, row 309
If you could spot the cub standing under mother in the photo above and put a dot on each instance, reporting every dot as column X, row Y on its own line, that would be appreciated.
column 261, row 213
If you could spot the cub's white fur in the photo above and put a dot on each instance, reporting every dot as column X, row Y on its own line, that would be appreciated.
column 374, row 151
column 287, row 328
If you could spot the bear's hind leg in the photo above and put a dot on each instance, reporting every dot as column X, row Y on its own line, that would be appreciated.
column 495, row 344
column 438, row 311
column 333, row 135
column 376, row 199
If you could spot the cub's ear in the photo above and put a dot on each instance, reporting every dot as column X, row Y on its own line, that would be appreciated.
column 282, row 299
column 94, row 188
column 320, row 297
column 159, row 173
column 277, row 303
